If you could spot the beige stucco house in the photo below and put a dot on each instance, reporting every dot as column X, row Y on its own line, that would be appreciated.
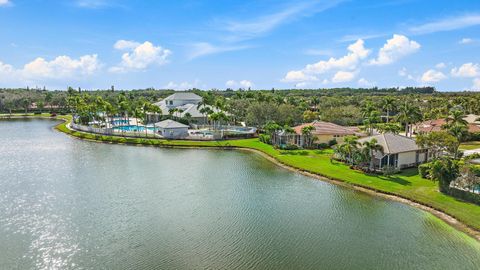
column 326, row 131
column 398, row 152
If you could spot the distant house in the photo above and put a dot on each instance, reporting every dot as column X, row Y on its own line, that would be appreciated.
column 326, row 131
column 186, row 104
column 398, row 152
column 171, row 129
column 436, row 125
column 323, row 131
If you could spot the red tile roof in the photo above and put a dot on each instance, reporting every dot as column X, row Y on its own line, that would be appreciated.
column 436, row 125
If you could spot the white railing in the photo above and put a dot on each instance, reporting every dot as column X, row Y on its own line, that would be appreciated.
column 111, row 131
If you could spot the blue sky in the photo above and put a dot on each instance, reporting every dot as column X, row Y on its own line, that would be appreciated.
column 259, row 44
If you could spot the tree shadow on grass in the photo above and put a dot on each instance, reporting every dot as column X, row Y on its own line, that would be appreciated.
column 392, row 178
column 396, row 179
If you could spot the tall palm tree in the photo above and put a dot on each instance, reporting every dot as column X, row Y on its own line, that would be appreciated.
column 350, row 146
column 408, row 114
column 138, row 114
column 369, row 147
column 456, row 118
column 307, row 134
column 147, row 108
column 388, row 105
column 371, row 119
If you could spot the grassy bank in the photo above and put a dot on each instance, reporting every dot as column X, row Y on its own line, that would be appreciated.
column 407, row 184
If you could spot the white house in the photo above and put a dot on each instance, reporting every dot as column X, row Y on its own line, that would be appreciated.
column 398, row 151
column 171, row 129
column 186, row 104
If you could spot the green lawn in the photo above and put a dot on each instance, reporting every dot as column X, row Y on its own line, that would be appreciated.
column 470, row 145
column 407, row 184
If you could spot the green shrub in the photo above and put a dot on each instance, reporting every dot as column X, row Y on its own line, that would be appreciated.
column 332, row 142
column 475, row 169
column 322, row 146
column 290, row 147
column 424, row 170
column 265, row 138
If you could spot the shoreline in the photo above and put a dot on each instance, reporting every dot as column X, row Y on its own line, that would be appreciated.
column 445, row 217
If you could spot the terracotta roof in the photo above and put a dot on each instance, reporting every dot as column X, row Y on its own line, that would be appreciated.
column 326, row 128
column 436, row 125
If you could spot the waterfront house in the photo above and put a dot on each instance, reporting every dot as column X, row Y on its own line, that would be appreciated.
column 323, row 131
column 326, row 131
column 171, row 129
column 398, row 151
column 184, row 104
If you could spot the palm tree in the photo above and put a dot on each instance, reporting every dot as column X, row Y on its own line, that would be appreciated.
column 407, row 115
column 147, row 107
column 214, row 117
column 138, row 114
column 371, row 120
column 456, row 118
column 350, row 146
column 368, row 149
column 315, row 101
column 389, row 104
column 109, row 111
column 367, row 109
column 123, row 107
column 156, row 111
column 307, row 134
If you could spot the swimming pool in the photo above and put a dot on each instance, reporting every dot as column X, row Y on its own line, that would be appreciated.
column 132, row 128
column 120, row 122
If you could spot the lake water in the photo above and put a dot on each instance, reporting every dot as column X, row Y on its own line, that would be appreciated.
column 72, row 204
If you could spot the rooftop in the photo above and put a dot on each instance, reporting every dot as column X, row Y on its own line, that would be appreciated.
column 184, row 96
column 436, row 125
column 393, row 143
column 170, row 124
column 327, row 128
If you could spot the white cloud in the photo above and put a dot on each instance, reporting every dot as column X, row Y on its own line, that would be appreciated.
column 476, row 84
column 318, row 52
column 447, row 24
column 441, row 65
column 357, row 52
column 182, row 85
column 468, row 70
column 40, row 70
column 465, row 41
column 298, row 76
column 5, row 3
column 365, row 83
column 301, row 85
column 241, row 84
column 204, row 48
column 230, row 83
column 246, row 84
column 345, row 66
column 404, row 73
column 5, row 68
column 395, row 48
column 139, row 56
column 432, row 75
column 126, row 44
column 61, row 67
column 343, row 76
